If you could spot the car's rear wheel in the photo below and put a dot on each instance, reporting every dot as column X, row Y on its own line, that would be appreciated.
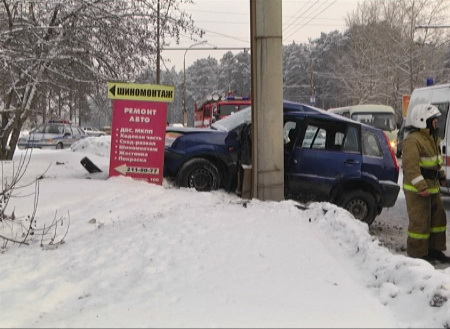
column 200, row 174
column 360, row 204
column 59, row 146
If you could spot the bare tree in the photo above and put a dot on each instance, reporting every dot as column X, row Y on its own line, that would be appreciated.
column 386, row 54
column 55, row 47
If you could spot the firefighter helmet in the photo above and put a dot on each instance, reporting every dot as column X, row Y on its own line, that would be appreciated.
column 417, row 116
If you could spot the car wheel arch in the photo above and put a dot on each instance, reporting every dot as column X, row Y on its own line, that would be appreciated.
column 354, row 184
column 358, row 192
column 222, row 170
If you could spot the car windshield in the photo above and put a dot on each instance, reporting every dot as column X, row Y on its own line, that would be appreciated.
column 234, row 120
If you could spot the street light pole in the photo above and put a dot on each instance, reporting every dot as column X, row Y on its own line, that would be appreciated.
column 185, row 117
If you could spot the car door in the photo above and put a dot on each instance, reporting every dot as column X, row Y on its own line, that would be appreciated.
column 325, row 153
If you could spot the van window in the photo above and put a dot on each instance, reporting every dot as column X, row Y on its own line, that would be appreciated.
column 346, row 114
column 443, row 108
column 383, row 121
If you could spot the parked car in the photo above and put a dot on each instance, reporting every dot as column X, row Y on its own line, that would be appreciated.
column 91, row 131
column 56, row 134
column 327, row 157
column 107, row 130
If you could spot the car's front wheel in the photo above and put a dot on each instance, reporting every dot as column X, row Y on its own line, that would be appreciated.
column 200, row 174
column 59, row 146
column 360, row 204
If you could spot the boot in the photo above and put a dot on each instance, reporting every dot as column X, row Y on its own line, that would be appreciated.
column 439, row 256
column 428, row 259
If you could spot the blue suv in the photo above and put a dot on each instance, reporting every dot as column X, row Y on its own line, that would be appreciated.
column 326, row 158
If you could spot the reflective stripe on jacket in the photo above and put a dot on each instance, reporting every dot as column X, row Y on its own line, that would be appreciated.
column 420, row 150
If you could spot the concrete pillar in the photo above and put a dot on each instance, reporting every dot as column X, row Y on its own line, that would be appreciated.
column 267, row 100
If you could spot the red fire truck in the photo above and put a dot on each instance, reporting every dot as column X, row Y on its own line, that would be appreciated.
column 218, row 107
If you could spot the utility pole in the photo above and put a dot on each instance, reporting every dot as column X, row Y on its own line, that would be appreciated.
column 158, row 49
column 185, row 114
column 312, row 99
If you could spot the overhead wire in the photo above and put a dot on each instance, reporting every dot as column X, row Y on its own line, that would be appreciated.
column 300, row 16
column 288, row 23
column 287, row 37
column 310, row 7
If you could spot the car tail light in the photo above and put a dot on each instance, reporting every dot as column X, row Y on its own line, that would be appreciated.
column 394, row 158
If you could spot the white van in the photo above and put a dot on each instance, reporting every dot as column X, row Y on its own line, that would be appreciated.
column 378, row 116
column 438, row 95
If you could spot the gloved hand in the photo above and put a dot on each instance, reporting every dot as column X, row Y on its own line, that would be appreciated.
column 424, row 193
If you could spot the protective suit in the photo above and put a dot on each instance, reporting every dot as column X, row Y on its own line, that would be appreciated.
column 422, row 175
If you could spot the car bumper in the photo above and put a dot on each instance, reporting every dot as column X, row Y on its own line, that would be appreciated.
column 172, row 162
column 390, row 193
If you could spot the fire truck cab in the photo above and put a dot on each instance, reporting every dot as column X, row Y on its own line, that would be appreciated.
column 218, row 107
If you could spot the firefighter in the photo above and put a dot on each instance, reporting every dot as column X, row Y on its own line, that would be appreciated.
column 422, row 176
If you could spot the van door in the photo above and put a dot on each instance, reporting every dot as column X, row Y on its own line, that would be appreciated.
column 444, row 134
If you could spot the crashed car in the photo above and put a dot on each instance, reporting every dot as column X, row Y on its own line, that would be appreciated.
column 362, row 178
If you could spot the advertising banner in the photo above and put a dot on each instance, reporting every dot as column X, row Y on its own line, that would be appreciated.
column 137, row 139
column 140, row 92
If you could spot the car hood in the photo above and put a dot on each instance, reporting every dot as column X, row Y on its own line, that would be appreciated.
column 172, row 133
column 185, row 130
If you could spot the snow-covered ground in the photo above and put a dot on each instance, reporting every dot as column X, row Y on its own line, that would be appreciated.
column 142, row 255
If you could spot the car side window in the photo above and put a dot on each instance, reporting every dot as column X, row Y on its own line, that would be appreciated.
column 351, row 141
column 314, row 137
column 68, row 130
column 327, row 135
column 291, row 130
column 76, row 133
column 53, row 129
column 370, row 144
